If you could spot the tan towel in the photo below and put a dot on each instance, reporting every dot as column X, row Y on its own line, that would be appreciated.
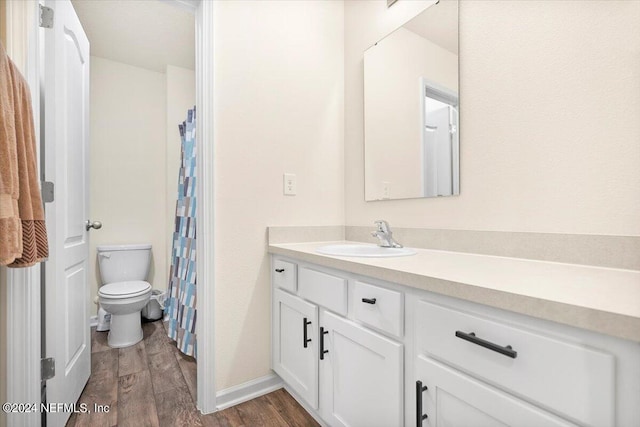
column 23, row 235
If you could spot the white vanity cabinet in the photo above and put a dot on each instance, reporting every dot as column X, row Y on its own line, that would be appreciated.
column 551, row 371
column 382, row 354
column 349, row 374
column 475, row 365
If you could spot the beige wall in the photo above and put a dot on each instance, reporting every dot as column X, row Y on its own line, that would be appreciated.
column 393, row 128
column 3, row 25
column 181, row 96
column 278, row 108
column 128, row 162
column 550, row 100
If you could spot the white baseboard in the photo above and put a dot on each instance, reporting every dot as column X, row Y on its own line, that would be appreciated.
column 250, row 390
column 93, row 321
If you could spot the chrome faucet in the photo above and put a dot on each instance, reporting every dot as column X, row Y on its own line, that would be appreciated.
column 385, row 235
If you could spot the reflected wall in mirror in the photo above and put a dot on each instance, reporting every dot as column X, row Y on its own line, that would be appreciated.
column 411, row 105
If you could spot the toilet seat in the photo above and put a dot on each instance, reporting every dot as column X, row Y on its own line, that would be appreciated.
column 119, row 290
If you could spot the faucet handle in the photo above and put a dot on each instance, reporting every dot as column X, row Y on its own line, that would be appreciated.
column 384, row 234
column 382, row 225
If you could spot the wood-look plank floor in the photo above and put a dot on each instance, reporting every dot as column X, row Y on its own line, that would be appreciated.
column 153, row 384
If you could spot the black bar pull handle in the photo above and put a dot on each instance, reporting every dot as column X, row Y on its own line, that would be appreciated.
column 419, row 415
column 279, row 270
column 369, row 300
column 471, row 337
column 305, row 340
column 322, row 350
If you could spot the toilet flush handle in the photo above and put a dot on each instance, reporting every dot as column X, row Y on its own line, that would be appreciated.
column 96, row 225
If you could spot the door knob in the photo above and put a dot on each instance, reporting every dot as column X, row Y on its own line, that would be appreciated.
column 96, row 225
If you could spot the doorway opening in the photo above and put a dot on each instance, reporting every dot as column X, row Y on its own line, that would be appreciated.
column 26, row 341
column 142, row 85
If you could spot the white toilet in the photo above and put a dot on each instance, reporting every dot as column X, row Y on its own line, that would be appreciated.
column 124, row 292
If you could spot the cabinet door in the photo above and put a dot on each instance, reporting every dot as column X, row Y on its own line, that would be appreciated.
column 361, row 376
column 295, row 358
column 453, row 399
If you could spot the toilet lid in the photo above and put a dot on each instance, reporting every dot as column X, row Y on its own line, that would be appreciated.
column 122, row 289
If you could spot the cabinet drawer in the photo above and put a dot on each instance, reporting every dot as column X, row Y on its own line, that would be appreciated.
column 324, row 289
column 378, row 307
column 284, row 275
column 572, row 379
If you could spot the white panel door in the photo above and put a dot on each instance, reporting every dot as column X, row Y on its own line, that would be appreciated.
column 66, row 87
column 453, row 399
column 295, row 344
column 361, row 376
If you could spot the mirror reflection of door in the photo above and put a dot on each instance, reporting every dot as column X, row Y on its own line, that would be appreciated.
column 439, row 140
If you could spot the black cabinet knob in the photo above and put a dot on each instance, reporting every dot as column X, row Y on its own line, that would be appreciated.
column 279, row 270
column 369, row 300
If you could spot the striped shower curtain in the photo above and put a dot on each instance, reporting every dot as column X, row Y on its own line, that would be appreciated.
column 181, row 302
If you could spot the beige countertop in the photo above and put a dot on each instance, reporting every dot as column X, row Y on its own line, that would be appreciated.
column 603, row 300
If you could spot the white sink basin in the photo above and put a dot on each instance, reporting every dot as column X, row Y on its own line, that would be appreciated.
column 367, row 251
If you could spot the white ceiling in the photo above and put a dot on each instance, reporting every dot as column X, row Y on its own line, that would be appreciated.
column 146, row 33
column 439, row 23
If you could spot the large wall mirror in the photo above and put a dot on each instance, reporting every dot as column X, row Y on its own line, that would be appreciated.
column 411, row 108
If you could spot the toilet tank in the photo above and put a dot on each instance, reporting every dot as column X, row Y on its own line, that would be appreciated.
column 121, row 263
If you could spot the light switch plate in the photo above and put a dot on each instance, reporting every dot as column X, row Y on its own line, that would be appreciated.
column 289, row 184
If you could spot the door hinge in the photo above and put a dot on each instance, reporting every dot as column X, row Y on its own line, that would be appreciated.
column 46, row 17
column 47, row 368
column 48, row 194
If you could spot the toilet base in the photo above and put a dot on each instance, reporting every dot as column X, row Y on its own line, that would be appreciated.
column 126, row 330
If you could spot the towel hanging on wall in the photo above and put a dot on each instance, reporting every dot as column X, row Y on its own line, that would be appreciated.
column 23, row 234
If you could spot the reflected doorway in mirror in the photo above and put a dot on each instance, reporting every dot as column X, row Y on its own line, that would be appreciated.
column 440, row 142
